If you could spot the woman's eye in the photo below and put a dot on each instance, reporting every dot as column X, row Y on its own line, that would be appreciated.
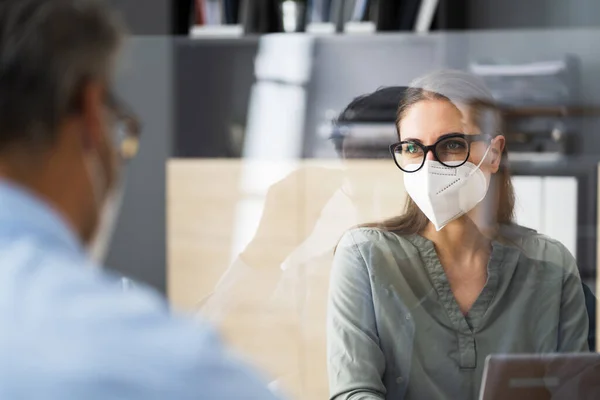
column 412, row 148
column 454, row 145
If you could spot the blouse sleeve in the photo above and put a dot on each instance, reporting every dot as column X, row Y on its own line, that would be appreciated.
column 573, row 323
column 354, row 358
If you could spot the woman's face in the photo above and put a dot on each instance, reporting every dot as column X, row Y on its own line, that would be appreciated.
column 428, row 120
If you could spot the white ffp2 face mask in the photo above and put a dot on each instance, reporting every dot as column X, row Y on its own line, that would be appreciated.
column 98, row 248
column 443, row 193
column 109, row 198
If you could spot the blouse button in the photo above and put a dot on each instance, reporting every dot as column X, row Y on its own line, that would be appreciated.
column 399, row 380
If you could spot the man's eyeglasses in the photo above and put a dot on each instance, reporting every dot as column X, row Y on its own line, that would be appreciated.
column 451, row 150
column 128, row 128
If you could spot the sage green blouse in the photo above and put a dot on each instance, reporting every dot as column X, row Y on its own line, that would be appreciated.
column 395, row 331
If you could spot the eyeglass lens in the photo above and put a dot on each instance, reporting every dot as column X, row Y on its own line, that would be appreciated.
column 451, row 152
column 127, row 140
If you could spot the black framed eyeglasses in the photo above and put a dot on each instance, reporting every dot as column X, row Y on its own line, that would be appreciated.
column 451, row 150
column 128, row 128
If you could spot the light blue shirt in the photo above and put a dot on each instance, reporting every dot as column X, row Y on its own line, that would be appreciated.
column 68, row 331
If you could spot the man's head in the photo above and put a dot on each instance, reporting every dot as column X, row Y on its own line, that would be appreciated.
column 59, row 121
column 376, row 111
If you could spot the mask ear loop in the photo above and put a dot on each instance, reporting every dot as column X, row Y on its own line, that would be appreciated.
column 482, row 160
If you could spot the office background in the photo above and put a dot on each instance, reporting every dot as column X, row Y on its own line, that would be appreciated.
column 203, row 85
column 211, row 103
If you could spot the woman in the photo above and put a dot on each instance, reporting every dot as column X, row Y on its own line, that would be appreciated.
column 417, row 302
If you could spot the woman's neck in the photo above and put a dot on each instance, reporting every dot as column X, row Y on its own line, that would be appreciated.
column 461, row 239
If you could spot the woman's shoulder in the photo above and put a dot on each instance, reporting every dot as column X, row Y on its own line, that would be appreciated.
column 376, row 239
column 376, row 250
column 535, row 245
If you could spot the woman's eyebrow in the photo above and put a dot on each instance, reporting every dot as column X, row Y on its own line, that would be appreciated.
column 445, row 135
column 412, row 140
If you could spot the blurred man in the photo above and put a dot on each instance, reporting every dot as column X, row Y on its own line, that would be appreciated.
column 68, row 332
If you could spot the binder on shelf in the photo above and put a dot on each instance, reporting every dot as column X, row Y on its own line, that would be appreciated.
column 408, row 13
column 213, row 12
column 319, row 11
column 348, row 11
column 387, row 15
column 293, row 14
column 360, row 11
column 337, row 14
column 313, row 16
column 199, row 18
column 451, row 15
column 344, row 12
column 182, row 16
column 232, row 12
column 425, row 16
column 261, row 16
column 402, row 15
column 315, row 11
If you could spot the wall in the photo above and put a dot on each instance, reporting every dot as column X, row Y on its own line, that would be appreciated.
column 145, row 17
column 138, row 245
column 210, row 95
column 212, row 92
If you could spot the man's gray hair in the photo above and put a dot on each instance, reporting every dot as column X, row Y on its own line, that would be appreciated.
column 48, row 50
column 458, row 86
column 464, row 89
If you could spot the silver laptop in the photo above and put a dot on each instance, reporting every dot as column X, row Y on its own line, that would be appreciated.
column 567, row 376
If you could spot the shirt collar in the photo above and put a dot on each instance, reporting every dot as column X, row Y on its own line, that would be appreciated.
column 23, row 211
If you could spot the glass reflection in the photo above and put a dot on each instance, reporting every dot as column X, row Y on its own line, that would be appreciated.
column 296, row 194
column 417, row 300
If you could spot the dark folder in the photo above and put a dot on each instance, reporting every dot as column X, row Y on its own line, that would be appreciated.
column 261, row 16
column 396, row 15
column 232, row 11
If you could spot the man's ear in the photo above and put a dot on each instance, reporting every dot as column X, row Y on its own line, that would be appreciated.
column 92, row 114
column 496, row 148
